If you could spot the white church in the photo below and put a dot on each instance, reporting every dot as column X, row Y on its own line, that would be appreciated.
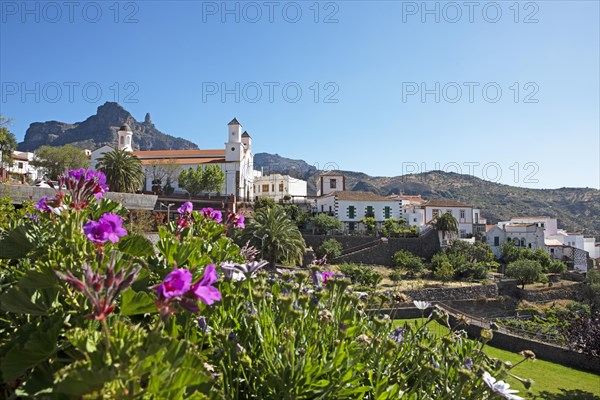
column 235, row 160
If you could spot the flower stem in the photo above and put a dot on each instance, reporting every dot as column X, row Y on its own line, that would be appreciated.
column 106, row 334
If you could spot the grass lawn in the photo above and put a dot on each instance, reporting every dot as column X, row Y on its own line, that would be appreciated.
column 552, row 381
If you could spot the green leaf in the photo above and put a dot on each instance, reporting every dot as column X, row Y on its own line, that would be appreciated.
column 16, row 244
column 136, row 245
column 23, row 301
column 137, row 303
column 79, row 380
column 31, row 348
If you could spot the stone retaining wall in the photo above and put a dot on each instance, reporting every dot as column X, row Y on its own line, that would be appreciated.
column 556, row 292
column 425, row 246
column 454, row 293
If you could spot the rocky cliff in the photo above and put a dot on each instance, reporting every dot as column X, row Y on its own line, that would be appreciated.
column 101, row 129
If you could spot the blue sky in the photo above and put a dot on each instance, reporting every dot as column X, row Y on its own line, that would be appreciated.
column 506, row 91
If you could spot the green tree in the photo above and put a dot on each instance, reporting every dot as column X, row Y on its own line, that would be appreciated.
column 123, row 171
column 408, row 261
column 56, row 160
column 277, row 236
column 557, row 267
column 510, row 252
column 445, row 224
column 191, row 180
column 196, row 181
column 396, row 277
column 524, row 271
column 213, row 178
column 8, row 142
column 393, row 227
column 326, row 223
column 369, row 223
column 330, row 248
column 263, row 202
column 164, row 172
column 591, row 290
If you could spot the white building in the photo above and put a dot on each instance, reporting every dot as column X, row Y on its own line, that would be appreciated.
column 540, row 233
column 466, row 216
column 278, row 187
column 22, row 168
column 236, row 160
column 525, row 235
column 329, row 182
column 351, row 207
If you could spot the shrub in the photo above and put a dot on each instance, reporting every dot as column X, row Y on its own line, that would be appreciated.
column 524, row 271
column 444, row 272
column 326, row 223
column 557, row 267
column 408, row 262
column 330, row 248
column 361, row 274
column 263, row 202
column 395, row 276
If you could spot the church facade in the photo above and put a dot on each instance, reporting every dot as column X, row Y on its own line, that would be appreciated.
column 236, row 160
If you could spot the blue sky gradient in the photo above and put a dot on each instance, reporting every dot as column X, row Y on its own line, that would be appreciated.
column 369, row 60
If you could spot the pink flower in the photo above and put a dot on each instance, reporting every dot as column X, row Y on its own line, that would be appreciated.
column 176, row 284
column 116, row 225
column 186, row 208
column 204, row 290
column 326, row 275
column 239, row 221
column 108, row 227
column 213, row 214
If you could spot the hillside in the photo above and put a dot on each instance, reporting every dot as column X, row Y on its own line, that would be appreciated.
column 577, row 209
column 101, row 129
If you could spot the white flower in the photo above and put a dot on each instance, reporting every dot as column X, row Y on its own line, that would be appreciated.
column 422, row 305
column 500, row 387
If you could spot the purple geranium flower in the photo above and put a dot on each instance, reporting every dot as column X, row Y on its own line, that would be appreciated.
column 97, row 232
column 186, row 208
column 326, row 275
column 116, row 226
column 204, row 290
column 239, row 221
column 108, row 227
column 176, row 284
column 42, row 206
column 213, row 214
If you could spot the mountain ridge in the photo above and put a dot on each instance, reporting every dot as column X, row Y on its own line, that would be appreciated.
column 577, row 209
column 100, row 129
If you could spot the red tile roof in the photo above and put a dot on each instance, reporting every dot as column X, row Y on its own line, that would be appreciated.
column 179, row 153
column 358, row 196
column 179, row 161
column 445, row 203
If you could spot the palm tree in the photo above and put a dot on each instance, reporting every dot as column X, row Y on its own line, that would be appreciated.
column 123, row 171
column 444, row 224
column 278, row 237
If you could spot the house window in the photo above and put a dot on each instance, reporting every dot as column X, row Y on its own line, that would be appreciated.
column 281, row 187
column 265, row 188
column 351, row 226
column 387, row 212
column 463, row 233
column 20, row 165
column 496, row 241
column 330, row 209
column 273, row 187
column 522, row 242
column 462, row 214
column 435, row 212
column 551, row 251
column 333, row 183
column 449, row 212
column 351, row 212
column 369, row 212
column 322, row 208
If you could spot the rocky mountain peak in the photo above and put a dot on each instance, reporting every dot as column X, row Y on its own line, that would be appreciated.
column 100, row 129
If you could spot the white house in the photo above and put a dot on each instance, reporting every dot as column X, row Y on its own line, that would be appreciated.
column 236, row 160
column 351, row 207
column 22, row 169
column 525, row 235
column 464, row 214
column 329, row 182
column 277, row 187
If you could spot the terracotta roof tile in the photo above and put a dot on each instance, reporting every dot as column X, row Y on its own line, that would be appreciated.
column 179, row 153
column 445, row 203
column 358, row 196
column 180, row 161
